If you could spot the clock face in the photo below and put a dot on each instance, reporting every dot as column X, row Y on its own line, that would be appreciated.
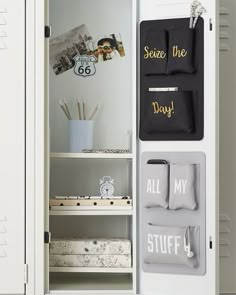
column 107, row 189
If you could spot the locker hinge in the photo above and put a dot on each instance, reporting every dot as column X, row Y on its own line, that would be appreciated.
column 48, row 31
column 210, row 25
column 26, row 273
column 47, row 237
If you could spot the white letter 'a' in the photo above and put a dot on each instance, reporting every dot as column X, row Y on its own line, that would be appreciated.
column 149, row 186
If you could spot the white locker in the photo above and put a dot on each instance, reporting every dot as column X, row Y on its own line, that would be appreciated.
column 63, row 17
column 37, row 164
column 12, row 171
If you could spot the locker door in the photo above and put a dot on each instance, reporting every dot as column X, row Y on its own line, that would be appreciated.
column 227, row 152
column 169, row 281
column 12, row 146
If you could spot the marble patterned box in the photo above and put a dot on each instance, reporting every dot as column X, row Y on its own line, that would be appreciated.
column 90, row 246
column 106, row 261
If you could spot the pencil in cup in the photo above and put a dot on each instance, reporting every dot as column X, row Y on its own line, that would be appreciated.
column 94, row 112
column 79, row 110
column 67, row 109
column 64, row 109
column 80, row 135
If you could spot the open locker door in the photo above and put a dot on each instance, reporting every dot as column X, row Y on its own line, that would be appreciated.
column 12, row 148
column 164, row 157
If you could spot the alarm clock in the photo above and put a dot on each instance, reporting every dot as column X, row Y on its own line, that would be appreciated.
column 106, row 187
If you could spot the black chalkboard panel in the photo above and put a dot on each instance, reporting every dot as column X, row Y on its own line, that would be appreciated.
column 179, row 60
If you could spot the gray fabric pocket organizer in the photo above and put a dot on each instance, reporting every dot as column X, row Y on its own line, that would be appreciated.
column 196, row 220
column 170, row 245
column 156, row 185
column 183, row 187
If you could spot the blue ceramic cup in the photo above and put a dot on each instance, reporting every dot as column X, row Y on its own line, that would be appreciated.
column 80, row 135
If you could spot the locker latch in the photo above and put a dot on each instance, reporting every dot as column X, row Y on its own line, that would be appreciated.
column 48, row 31
column 210, row 25
column 210, row 243
column 26, row 273
column 47, row 237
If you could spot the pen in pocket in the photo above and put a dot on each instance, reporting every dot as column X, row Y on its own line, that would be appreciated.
column 163, row 89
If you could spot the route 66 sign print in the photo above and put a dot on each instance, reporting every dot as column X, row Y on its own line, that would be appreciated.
column 85, row 65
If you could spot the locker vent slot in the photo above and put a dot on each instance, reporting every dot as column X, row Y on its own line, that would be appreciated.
column 224, row 30
column 224, row 11
column 3, row 237
column 225, row 236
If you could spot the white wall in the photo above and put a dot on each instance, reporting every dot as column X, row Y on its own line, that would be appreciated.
column 81, row 177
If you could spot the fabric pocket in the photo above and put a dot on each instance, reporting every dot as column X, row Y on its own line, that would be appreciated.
column 155, row 52
column 156, row 185
column 170, row 245
column 183, row 178
column 168, row 112
column 181, row 51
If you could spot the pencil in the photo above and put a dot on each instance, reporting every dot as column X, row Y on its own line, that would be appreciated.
column 84, row 112
column 79, row 110
column 63, row 109
column 94, row 113
column 67, row 109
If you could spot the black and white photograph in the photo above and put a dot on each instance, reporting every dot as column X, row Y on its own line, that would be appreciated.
column 65, row 47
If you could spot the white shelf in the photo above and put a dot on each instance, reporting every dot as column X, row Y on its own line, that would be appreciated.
column 92, row 292
column 91, row 156
column 85, row 283
column 91, row 212
column 91, row 270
